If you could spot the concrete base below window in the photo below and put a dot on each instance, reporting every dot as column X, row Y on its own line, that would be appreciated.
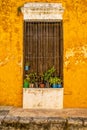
column 43, row 98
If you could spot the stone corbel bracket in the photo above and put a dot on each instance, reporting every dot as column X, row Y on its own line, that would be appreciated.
column 42, row 11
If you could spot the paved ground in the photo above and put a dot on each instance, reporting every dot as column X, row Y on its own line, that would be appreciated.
column 30, row 119
column 73, row 112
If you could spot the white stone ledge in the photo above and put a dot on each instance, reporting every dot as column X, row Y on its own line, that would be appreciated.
column 43, row 98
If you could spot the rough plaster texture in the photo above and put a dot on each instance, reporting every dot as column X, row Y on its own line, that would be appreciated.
column 75, row 52
column 45, row 98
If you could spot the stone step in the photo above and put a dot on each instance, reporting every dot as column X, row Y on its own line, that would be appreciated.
column 14, row 118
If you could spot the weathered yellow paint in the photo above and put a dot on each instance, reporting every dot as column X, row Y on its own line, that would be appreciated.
column 75, row 52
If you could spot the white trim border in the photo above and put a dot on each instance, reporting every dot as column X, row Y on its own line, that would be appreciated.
column 42, row 11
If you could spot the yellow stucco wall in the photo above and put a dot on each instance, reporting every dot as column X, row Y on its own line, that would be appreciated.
column 75, row 52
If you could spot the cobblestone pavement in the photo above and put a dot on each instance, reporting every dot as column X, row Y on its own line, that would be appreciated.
column 13, row 118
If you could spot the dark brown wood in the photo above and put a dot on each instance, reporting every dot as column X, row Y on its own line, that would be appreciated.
column 61, row 50
column 43, row 46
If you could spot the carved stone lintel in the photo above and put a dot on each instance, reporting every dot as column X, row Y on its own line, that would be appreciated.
column 40, row 11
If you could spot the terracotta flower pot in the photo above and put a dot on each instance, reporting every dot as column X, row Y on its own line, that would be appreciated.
column 42, row 85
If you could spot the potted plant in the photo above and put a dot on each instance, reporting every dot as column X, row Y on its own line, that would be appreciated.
column 32, row 77
column 27, row 66
column 41, row 81
column 26, row 83
column 59, row 85
column 55, row 82
column 36, row 81
column 47, row 75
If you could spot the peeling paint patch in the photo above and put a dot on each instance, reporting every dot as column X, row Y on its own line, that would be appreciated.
column 69, row 53
column 84, row 51
column 76, row 55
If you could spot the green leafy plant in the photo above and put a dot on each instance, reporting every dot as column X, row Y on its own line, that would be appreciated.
column 48, row 74
column 27, row 78
column 19, row 10
column 32, row 77
column 55, row 80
